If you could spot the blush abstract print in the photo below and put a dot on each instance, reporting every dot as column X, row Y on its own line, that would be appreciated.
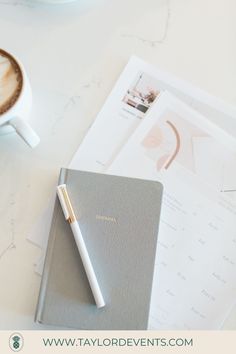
column 171, row 139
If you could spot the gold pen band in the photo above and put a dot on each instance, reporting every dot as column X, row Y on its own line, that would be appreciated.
column 71, row 217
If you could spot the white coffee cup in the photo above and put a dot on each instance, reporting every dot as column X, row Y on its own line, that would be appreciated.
column 17, row 115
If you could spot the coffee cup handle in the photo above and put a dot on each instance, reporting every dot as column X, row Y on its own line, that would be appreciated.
column 25, row 131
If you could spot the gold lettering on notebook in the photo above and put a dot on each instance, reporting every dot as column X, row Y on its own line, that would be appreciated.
column 106, row 218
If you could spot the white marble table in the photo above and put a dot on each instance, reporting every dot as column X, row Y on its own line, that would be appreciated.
column 73, row 54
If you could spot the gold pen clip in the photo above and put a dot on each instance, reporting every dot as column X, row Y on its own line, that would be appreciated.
column 66, row 203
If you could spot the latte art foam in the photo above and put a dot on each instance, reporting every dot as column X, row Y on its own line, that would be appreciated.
column 10, row 81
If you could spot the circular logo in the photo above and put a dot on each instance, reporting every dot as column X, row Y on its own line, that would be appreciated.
column 16, row 342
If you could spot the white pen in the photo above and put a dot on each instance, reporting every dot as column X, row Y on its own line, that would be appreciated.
column 70, row 217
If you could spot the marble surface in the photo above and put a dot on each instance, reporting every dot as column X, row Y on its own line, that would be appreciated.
column 73, row 54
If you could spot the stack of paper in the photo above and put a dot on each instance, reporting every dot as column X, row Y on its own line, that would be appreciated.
column 157, row 127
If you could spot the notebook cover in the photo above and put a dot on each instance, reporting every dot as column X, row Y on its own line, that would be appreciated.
column 119, row 220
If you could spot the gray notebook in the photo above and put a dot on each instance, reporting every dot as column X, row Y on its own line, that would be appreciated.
column 119, row 220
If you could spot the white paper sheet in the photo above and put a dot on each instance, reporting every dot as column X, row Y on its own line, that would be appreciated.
column 118, row 120
column 195, row 274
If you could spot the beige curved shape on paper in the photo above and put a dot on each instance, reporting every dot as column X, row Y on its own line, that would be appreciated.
column 161, row 162
column 177, row 136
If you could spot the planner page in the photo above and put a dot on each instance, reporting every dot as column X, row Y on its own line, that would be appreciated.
column 195, row 272
column 134, row 93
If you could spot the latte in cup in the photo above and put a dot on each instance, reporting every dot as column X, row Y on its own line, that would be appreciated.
column 11, row 81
